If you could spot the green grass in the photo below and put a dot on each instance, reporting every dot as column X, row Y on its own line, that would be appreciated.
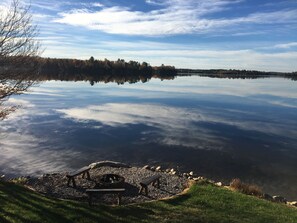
column 202, row 203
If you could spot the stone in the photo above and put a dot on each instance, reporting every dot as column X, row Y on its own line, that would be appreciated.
column 268, row 197
column 279, row 199
column 173, row 172
column 191, row 173
column 219, row 184
column 196, row 178
column 153, row 168
column 158, row 168
column 146, row 167
column 185, row 174
column 293, row 203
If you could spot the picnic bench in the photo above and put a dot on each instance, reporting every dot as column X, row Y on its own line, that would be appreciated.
column 118, row 191
column 154, row 180
column 84, row 171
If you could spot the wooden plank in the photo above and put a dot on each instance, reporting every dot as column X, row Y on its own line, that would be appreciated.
column 149, row 180
column 117, row 191
column 105, row 190
column 78, row 172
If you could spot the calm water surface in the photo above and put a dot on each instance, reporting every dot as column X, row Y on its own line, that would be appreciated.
column 219, row 128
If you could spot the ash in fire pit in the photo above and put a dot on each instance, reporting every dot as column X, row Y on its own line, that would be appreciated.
column 110, row 181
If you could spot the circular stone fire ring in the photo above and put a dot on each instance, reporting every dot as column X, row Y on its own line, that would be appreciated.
column 110, row 181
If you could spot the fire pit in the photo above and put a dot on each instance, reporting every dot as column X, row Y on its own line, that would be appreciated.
column 110, row 181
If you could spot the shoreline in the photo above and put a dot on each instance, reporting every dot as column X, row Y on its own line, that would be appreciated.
column 173, row 183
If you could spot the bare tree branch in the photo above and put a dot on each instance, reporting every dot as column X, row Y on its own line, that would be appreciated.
column 18, row 45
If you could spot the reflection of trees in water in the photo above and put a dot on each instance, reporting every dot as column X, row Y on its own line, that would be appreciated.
column 102, row 71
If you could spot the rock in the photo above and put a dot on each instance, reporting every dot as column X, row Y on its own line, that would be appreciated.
column 172, row 170
column 153, row 168
column 2, row 177
column 185, row 174
column 293, row 203
column 191, row 173
column 146, row 167
column 158, row 168
column 167, row 170
column 279, row 199
column 268, row 197
column 219, row 184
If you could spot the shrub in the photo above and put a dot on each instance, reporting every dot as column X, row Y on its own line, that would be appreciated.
column 249, row 189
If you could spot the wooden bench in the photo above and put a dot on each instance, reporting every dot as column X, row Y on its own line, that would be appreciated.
column 149, row 180
column 84, row 171
column 118, row 191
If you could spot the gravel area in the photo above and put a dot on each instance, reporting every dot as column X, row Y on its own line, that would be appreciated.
column 55, row 185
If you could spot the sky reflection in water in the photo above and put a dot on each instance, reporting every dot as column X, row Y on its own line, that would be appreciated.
column 219, row 128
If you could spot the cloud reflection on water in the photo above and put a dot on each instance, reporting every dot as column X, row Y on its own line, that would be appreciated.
column 177, row 126
column 24, row 154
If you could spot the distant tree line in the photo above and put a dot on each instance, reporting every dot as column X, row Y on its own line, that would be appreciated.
column 94, row 70
column 234, row 74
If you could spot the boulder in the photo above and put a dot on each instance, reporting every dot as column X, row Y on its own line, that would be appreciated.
column 191, row 173
column 158, row 168
column 293, row 203
column 146, row 167
column 279, row 199
column 219, row 184
column 172, row 170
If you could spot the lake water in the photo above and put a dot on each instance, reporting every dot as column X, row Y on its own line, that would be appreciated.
column 218, row 128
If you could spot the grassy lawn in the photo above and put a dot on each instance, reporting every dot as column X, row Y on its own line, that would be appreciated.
column 202, row 203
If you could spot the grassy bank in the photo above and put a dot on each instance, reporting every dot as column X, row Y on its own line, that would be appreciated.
column 202, row 203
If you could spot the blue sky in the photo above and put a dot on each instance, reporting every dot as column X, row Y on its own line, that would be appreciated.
column 240, row 34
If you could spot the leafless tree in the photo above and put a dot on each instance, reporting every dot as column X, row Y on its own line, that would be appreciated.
column 19, row 50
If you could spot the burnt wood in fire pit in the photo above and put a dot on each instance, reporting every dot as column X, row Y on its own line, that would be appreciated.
column 110, row 181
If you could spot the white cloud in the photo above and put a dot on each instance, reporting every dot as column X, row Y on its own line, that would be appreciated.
column 97, row 4
column 196, row 56
column 286, row 45
column 176, row 17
